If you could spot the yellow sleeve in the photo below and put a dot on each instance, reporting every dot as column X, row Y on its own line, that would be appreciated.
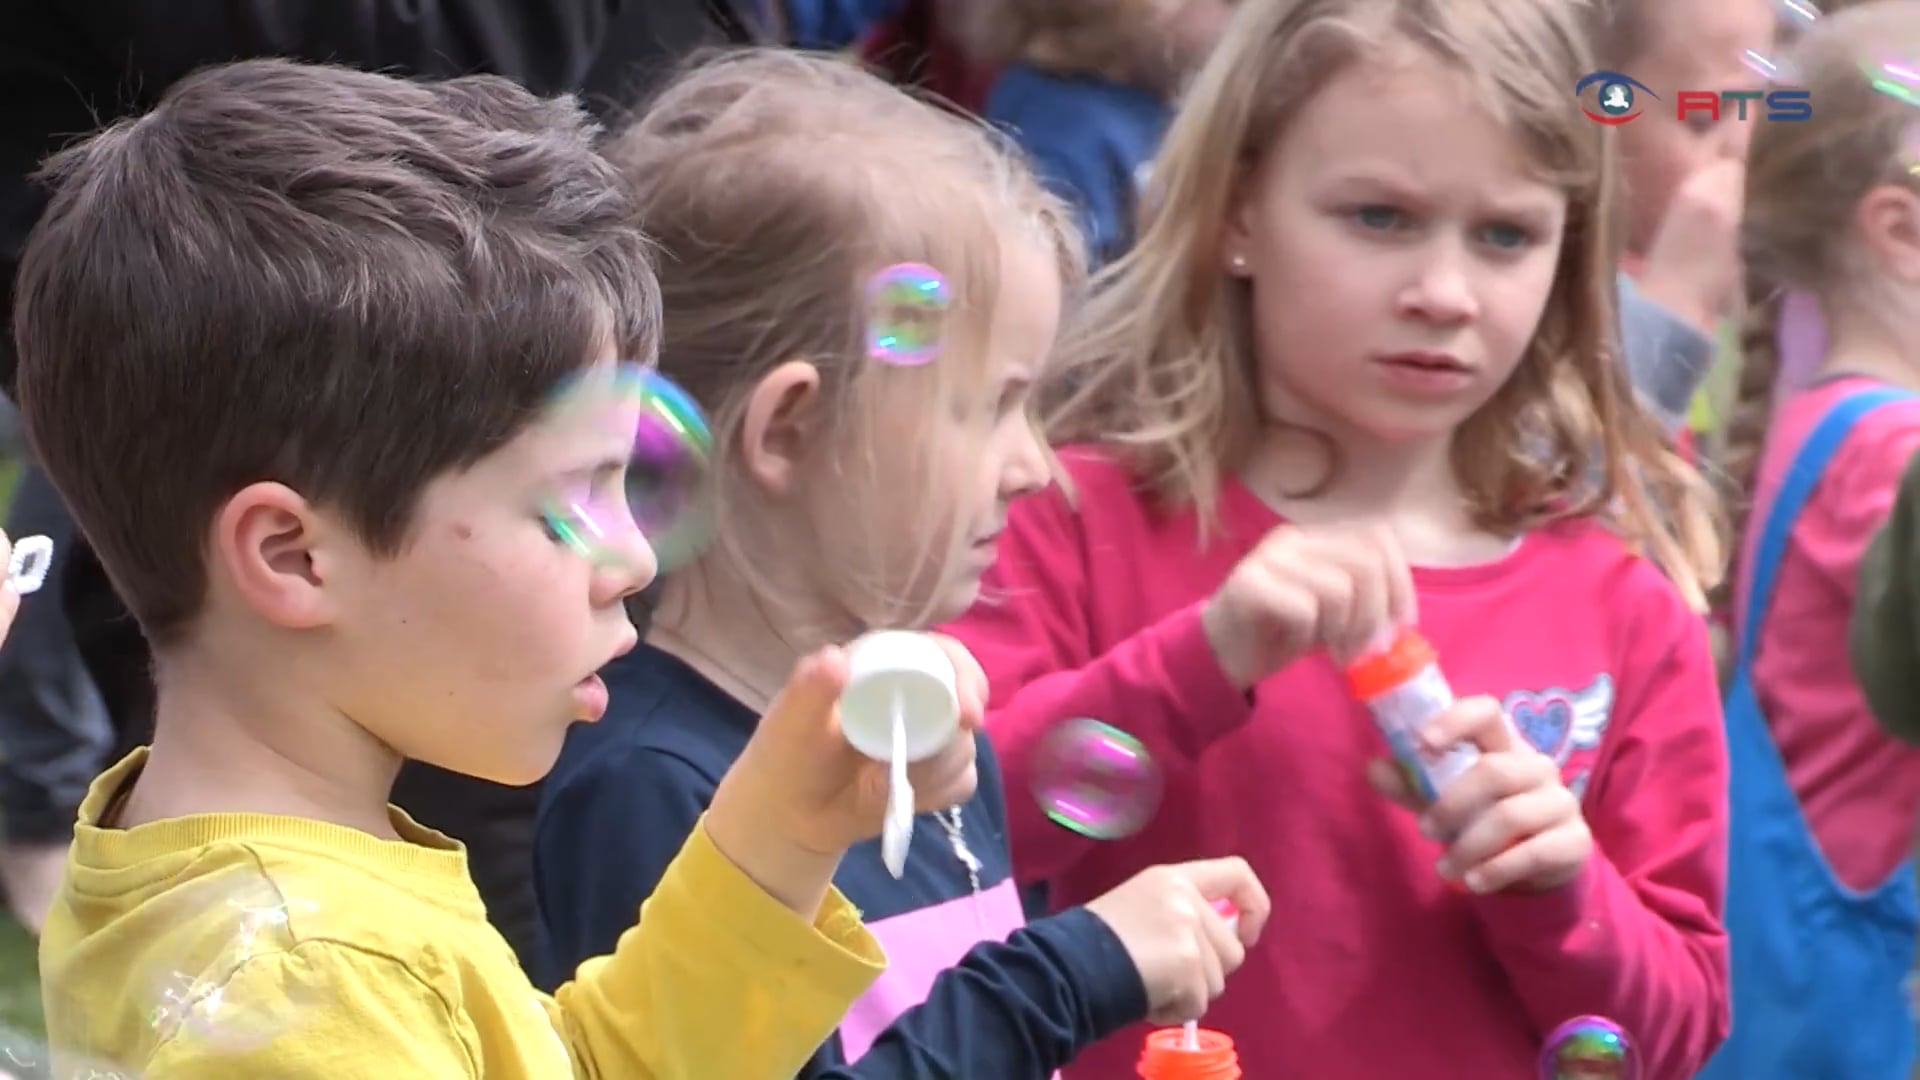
column 720, row 980
column 320, row 1011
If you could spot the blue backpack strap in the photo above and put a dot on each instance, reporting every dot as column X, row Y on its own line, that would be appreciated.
column 1803, row 475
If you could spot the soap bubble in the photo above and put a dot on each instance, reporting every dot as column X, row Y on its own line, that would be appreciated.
column 906, row 311
column 190, row 998
column 1095, row 779
column 231, row 921
column 1589, row 1048
column 669, row 449
column 1795, row 14
column 24, row 1057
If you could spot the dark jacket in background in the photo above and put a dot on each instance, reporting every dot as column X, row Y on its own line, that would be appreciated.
column 1884, row 638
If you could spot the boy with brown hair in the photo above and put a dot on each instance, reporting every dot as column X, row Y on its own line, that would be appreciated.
column 286, row 344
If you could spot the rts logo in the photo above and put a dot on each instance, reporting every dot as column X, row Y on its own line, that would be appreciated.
column 1616, row 99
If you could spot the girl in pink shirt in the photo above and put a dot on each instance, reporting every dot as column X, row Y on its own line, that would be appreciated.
column 1360, row 371
column 1822, row 904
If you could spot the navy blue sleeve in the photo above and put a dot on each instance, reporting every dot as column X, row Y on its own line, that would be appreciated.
column 603, row 838
column 1013, row 1010
column 835, row 24
column 1078, row 141
column 1095, row 185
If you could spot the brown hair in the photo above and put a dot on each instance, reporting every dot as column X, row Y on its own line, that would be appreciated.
column 777, row 184
column 1119, row 40
column 1804, row 181
column 1161, row 364
column 345, row 282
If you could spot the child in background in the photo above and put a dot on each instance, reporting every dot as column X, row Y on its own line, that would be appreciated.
column 1087, row 89
column 853, row 493
column 285, row 344
column 1681, row 187
column 1822, row 909
column 1090, row 89
column 1371, row 370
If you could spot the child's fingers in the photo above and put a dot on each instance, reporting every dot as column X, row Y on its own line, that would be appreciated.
column 1508, row 822
column 1230, row 878
column 1356, row 624
column 1551, row 857
column 1477, row 720
column 9, row 607
column 1225, row 942
column 1493, row 778
column 970, row 681
column 1403, row 600
column 1390, row 780
column 811, row 694
column 948, row 778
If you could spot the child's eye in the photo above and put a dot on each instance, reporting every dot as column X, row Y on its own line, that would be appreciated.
column 1507, row 235
column 1378, row 216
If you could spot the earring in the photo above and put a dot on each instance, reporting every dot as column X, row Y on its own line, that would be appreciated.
column 1239, row 264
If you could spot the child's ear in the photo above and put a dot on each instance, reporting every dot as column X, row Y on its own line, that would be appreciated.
column 277, row 553
column 781, row 424
column 1237, row 227
column 1888, row 218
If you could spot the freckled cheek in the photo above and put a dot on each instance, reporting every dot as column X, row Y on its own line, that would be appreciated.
column 497, row 568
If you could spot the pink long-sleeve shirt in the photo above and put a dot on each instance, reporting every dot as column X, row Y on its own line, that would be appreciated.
column 1373, row 966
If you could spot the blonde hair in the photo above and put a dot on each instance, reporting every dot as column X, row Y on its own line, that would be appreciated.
column 1804, row 180
column 776, row 184
column 1161, row 365
column 1119, row 40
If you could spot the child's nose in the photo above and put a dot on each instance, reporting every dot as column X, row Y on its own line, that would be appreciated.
column 1442, row 292
column 631, row 568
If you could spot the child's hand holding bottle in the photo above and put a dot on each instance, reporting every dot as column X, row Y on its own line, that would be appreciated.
column 1300, row 589
column 1184, row 950
column 1508, row 821
column 799, row 795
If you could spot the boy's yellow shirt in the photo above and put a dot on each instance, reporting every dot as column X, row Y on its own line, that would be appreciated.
column 249, row 945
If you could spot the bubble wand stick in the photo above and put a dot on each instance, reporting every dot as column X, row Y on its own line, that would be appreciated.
column 1190, row 1031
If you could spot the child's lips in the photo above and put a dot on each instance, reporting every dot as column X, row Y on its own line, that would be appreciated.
column 590, row 694
column 590, row 698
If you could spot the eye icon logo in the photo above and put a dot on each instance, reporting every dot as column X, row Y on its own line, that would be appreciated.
column 1615, row 97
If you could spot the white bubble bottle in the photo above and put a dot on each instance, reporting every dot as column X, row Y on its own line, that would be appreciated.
column 1404, row 689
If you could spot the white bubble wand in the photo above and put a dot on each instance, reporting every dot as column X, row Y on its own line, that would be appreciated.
column 32, row 559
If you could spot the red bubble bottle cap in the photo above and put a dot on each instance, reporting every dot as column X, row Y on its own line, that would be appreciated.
column 1376, row 673
column 1167, row 1057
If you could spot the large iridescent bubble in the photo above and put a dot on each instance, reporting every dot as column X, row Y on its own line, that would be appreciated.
column 669, row 450
column 1095, row 779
